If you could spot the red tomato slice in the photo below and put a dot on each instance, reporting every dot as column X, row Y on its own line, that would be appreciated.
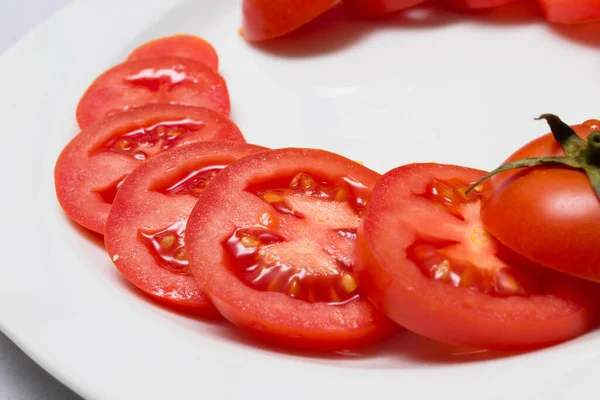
column 167, row 80
column 271, row 242
column 185, row 46
column 267, row 19
column 478, row 3
column 570, row 12
column 91, row 168
column 549, row 215
column 145, row 231
column 372, row 8
column 425, row 260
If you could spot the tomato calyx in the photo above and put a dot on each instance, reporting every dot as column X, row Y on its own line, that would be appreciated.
column 580, row 154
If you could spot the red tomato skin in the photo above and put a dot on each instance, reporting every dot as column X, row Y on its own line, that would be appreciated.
column 571, row 12
column 272, row 317
column 137, row 206
column 458, row 316
column 112, row 92
column 180, row 45
column 549, row 215
column 267, row 19
column 477, row 4
column 373, row 8
column 77, row 175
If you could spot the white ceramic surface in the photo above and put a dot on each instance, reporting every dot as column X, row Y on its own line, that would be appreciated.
column 430, row 85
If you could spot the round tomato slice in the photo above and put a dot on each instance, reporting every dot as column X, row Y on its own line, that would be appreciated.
column 185, row 46
column 271, row 242
column 425, row 260
column 478, row 3
column 372, row 8
column 571, row 12
column 550, row 215
column 166, row 80
column 267, row 19
column 145, row 230
column 92, row 167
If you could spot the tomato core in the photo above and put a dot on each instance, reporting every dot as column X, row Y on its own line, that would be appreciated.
column 455, row 263
column 167, row 247
column 143, row 143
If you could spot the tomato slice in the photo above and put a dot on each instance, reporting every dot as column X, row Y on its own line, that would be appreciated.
column 267, row 19
column 185, row 46
column 271, row 242
column 92, row 167
column 372, row 8
column 167, row 80
column 425, row 260
column 570, row 12
column 145, row 230
column 466, row 4
column 549, row 215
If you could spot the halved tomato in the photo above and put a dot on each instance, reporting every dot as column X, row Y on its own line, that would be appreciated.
column 145, row 230
column 571, row 12
column 166, row 80
column 267, row 19
column 92, row 167
column 548, row 214
column 425, row 260
column 372, row 8
column 271, row 242
column 185, row 46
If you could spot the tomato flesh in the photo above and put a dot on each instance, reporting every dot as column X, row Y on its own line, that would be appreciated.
column 165, row 80
column 146, row 227
column 93, row 166
column 185, row 46
column 271, row 243
column 267, row 19
column 570, row 12
column 425, row 260
column 548, row 214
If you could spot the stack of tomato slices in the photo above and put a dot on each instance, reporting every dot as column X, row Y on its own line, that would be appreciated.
column 306, row 249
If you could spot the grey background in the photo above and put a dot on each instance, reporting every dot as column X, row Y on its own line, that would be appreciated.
column 20, row 377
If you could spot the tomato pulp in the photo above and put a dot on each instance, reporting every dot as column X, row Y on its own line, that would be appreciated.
column 271, row 242
column 145, row 230
column 165, row 80
column 425, row 260
column 185, row 46
column 550, row 215
column 92, row 167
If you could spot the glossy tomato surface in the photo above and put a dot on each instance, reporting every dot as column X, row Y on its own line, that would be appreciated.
column 550, row 215
column 466, row 4
column 571, row 12
column 91, row 168
column 145, row 230
column 165, row 80
column 373, row 8
column 271, row 242
column 185, row 46
column 425, row 260
column 267, row 19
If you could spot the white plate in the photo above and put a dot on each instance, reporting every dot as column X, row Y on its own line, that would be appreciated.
column 433, row 85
